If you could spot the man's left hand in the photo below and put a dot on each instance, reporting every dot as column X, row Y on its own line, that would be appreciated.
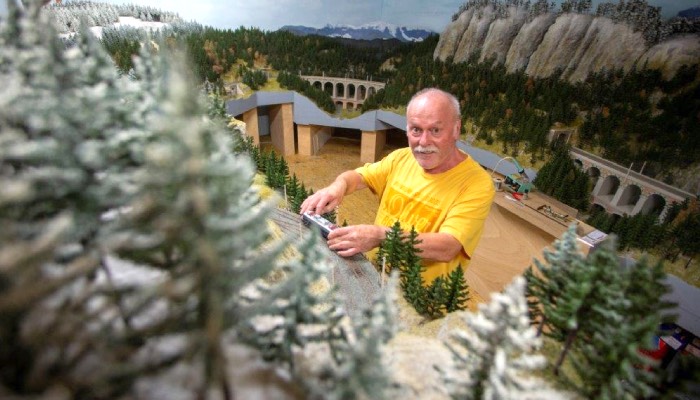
column 350, row 240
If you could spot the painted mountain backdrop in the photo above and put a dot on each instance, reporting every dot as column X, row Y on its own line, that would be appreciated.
column 370, row 31
column 691, row 13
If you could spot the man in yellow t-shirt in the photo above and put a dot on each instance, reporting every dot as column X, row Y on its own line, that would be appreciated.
column 432, row 185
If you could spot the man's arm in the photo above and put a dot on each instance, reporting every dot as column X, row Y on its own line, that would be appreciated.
column 328, row 198
column 438, row 246
column 351, row 240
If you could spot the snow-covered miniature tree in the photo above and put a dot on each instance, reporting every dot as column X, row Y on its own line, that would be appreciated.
column 106, row 178
column 299, row 314
column 495, row 356
column 361, row 373
column 62, row 168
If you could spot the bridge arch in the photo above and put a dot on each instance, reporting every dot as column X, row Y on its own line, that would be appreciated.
column 328, row 88
column 351, row 91
column 339, row 90
column 596, row 208
column 362, row 91
column 593, row 173
column 653, row 204
column 610, row 185
column 628, row 198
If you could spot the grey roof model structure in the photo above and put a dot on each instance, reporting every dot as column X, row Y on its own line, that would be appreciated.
column 307, row 112
column 688, row 299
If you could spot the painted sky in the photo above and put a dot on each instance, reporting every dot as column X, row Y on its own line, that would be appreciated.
column 273, row 14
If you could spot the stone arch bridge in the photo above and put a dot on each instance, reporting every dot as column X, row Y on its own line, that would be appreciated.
column 347, row 93
column 619, row 190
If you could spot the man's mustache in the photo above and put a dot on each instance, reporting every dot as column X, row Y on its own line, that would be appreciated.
column 425, row 149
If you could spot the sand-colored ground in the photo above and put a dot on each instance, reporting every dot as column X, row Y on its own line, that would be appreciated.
column 506, row 249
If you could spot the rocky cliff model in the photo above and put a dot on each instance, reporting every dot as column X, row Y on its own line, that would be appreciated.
column 577, row 44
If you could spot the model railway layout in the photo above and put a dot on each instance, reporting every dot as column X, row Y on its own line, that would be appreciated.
column 355, row 277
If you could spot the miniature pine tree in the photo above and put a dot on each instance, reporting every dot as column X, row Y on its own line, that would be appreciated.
column 52, row 157
column 283, row 169
column 533, row 292
column 411, row 268
column 292, row 198
column 434, row 298
column 271, row 171
column 545, row 283
column 627, row 312
column 457, row 291
column 391, row 249
column 495, row 357
column 570, row 317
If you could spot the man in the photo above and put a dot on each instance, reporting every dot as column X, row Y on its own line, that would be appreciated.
column 431, row 185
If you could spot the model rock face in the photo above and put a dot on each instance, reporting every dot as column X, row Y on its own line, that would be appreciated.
column 576, row 43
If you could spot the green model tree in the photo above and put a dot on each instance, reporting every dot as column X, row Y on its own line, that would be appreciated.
column 399, row 251
column 561, row 178
column 626, row 314
column 433, row 299
column 603, row 314
column 546, row 280
column 390, row 253
column 457, row 291
column 411, row 274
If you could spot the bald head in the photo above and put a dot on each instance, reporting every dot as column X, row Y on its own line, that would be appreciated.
column 438, row 95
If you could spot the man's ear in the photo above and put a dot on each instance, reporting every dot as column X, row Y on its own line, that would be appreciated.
column 457, row 129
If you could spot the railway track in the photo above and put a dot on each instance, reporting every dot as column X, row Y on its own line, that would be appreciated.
column 355, row 277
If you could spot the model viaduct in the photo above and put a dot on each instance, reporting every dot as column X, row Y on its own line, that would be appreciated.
column 619, row 190
column 347, row 93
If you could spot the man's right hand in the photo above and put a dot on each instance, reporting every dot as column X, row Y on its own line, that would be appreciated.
column 326, row 199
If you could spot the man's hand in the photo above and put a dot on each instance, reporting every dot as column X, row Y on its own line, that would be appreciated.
column 326, row 199
column 350, row 240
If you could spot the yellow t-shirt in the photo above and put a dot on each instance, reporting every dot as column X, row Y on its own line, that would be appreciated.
column 455, row 202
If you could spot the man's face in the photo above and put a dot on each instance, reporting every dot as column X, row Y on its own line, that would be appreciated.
column 432, row 131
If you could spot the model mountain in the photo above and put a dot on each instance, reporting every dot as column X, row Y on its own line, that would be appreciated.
column 574, row 44
column 691, row 13
column 375, row 30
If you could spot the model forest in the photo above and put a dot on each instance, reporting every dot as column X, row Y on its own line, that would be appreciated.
column 135, row 262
